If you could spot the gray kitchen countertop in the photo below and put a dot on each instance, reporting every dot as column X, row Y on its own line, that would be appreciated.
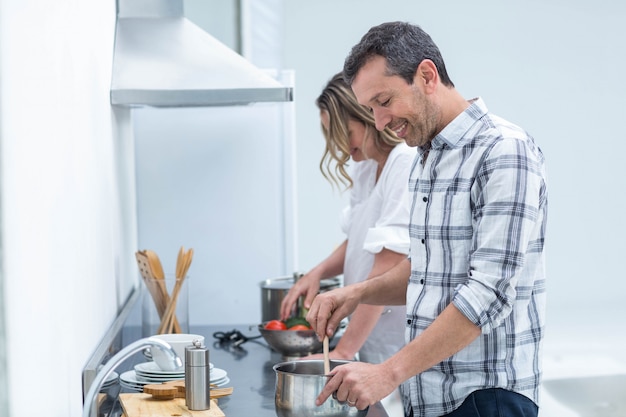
column 249, row 367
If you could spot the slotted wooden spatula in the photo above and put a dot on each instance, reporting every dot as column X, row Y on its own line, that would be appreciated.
column 148, row 276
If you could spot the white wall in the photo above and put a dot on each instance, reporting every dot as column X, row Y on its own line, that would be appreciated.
column 216, row 179
column 68, row 215
column 553, row 67
column 556, row 68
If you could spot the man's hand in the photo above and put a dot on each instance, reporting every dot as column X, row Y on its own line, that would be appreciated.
column 329, row 308
column 359, row 384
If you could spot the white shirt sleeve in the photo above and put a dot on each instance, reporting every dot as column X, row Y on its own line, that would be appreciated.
column 391, row 229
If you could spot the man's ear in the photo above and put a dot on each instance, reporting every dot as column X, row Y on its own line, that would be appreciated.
column 426, row 75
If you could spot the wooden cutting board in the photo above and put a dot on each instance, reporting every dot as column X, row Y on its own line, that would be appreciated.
column 143, row 405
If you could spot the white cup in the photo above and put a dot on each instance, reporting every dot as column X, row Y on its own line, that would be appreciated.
column 178, row 342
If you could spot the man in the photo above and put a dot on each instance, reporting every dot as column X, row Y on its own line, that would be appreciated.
column 475, row 297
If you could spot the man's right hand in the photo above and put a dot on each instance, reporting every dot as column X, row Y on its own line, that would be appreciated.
column 329, row 308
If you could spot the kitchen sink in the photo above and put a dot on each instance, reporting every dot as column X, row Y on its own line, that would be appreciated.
column 590, row 396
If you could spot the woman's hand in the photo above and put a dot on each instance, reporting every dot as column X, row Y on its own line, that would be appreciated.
column 308, row 285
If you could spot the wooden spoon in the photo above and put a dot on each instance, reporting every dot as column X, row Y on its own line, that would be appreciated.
column 169, row 321
column 326, row 356
column 179, row 261
column 187, row 262
column 164, row 298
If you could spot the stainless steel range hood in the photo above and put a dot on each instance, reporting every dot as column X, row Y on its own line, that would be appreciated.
column 162, row 59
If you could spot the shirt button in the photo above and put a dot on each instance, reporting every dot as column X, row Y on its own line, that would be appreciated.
column 424, row 199
column 422, row 281
column 423, row 240
column 408, row 322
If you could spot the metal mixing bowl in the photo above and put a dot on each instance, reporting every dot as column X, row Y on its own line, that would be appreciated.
column 291, row 342
column 298, row 383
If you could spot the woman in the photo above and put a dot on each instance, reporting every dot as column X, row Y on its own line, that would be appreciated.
column 375, row 222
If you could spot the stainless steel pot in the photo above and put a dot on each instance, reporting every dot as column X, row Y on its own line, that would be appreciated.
column 298, row 383
column 274, row 290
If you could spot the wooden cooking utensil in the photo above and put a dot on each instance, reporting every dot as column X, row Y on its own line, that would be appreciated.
column 158, row 274
column 326, row 356
column 164, row 391
column 155, row 264
column 176, row 389
column 152, row 271
column 169, row 321
column 157, row 271
column 179, row 260
column 151, row 284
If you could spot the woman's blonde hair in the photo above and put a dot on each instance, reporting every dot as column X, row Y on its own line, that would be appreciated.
column 338, row 100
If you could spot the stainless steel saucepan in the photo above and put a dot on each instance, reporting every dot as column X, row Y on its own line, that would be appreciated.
column 274, row 290
column 298, row 383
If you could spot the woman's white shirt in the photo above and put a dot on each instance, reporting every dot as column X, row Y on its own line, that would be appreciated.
column 377, row 218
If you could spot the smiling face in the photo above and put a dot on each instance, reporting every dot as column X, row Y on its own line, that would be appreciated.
column 407, row 109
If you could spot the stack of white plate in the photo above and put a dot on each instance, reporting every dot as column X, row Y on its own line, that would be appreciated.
column 110, row 380
column 219, row 377
column 149, row 373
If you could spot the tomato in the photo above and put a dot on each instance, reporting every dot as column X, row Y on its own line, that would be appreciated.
column 275, row 325
column 299, row 327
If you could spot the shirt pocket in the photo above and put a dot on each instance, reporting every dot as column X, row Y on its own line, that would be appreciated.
column 450, row 211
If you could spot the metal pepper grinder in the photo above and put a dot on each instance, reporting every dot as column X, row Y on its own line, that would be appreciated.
column 197, row 377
